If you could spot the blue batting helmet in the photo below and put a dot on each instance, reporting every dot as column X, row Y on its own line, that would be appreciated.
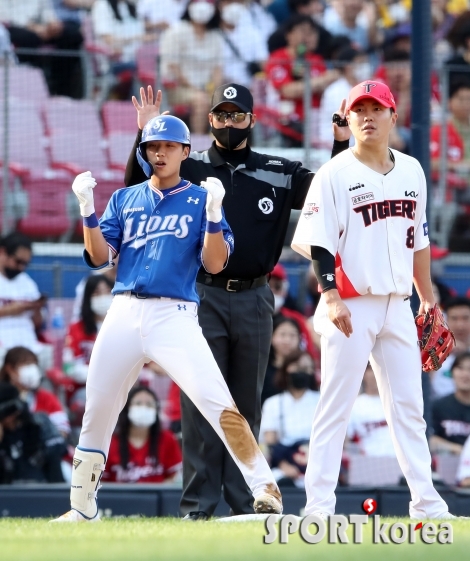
column 165, row 127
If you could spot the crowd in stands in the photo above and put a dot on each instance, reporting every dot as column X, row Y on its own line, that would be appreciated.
column 274, row 47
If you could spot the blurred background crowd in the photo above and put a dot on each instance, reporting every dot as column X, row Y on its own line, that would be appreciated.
column 67, row 71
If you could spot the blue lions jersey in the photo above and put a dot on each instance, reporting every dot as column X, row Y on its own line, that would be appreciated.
column 159, row 237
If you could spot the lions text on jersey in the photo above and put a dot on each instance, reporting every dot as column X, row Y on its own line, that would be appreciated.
column 159, row 237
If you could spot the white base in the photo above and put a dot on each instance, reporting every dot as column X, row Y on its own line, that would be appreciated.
column 248, row 518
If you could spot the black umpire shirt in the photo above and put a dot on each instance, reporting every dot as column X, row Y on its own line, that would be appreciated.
column 259, row 195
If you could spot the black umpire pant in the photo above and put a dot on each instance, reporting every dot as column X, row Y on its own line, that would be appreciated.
column 238, row 328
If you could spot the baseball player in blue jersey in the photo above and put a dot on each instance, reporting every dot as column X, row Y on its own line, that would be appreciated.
column 162, row 230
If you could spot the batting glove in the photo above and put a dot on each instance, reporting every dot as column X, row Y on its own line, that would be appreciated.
column 83, row 186
column 215, row 195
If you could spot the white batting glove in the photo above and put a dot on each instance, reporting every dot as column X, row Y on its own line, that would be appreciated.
column 83, row 186
column 215, row 196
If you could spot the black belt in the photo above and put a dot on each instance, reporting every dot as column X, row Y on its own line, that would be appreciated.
column 231, row 285
column 141, row 296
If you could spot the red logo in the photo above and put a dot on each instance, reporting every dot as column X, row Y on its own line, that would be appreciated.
column 309, row 209
column 369, row 506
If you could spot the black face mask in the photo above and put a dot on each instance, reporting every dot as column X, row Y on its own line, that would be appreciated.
column 230, row 137
column 300, row 380
column 11, row 273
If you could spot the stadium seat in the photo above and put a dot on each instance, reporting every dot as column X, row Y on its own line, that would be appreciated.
column 119, row 147
column 147, row 62
column 65, row 115
column 119, row 117
column 47, row 209
column 25, row 81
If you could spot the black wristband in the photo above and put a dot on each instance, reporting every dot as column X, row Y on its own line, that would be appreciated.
column 324, row 267
column 339, row 146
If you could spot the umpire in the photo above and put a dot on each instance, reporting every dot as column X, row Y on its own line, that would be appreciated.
column 237, row 304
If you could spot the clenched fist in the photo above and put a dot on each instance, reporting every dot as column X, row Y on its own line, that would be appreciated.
column 215, row 196
column 83, row 186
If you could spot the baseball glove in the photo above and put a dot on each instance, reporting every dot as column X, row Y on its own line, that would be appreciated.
column 435, row 339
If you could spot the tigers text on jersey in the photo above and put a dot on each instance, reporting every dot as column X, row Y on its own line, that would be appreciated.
column 159, row 237
column 372, row 223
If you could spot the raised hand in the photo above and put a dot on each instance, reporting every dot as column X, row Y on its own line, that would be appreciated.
column 341, row 133
column 148, row 109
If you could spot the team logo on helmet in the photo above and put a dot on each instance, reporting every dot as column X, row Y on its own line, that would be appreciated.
column 266, row 205
column 230, row 92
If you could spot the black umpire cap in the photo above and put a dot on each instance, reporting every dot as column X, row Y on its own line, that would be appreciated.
column 233, row 93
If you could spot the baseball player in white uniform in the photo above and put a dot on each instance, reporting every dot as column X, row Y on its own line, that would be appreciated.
column 364, row 227
column 162, row 230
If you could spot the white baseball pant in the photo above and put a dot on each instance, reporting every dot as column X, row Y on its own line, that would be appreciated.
column 385, row 334
column 136, row 331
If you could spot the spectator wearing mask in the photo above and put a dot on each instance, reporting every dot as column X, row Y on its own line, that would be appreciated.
column 141, row 452
column 284, row 306
column 286, row 421
column 286, row 67
column 30, row 446
column 82, row 334
column 458, row 318
column 285, row 340
column 20, row 368
column 20, row 300
column 451, row 414
column 353, row 67
column 191, row 65
column 245, row 51
column 367, row 424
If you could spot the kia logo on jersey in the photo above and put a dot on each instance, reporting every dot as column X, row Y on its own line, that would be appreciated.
column 411, row 194
column 266, row 205
column 155, row 227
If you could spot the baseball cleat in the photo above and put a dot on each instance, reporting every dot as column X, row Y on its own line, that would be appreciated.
column 267, row 504
column 75, row 516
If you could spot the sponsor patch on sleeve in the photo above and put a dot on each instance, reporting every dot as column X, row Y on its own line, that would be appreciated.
column 310, row 209
column 425, row 228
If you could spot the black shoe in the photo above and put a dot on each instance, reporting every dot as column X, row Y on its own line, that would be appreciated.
column 199, row 515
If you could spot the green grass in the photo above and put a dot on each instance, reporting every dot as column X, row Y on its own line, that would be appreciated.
column 173, row 540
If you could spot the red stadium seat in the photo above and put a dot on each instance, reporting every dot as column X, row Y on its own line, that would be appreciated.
column 119, row 147
column 47, row 209
column 147, row 62
column 25, row 79
column 65, row 115
column 119, row 117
